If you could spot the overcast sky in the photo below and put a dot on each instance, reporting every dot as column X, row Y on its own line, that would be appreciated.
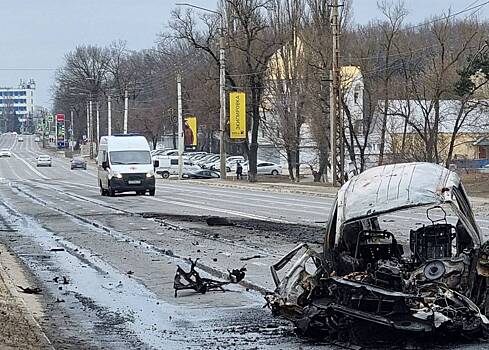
column 35, row 34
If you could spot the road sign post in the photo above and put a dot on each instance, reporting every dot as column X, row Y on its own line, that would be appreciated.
column 60, row 131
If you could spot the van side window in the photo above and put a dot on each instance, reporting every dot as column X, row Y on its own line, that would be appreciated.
column 174, row 161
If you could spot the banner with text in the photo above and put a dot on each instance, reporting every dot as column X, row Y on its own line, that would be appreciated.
column 237, row 115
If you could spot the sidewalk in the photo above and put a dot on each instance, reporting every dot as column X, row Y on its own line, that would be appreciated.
column 18, row 328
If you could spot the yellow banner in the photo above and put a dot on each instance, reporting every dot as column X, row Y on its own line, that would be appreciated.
column 190, row 132
column 237, row 115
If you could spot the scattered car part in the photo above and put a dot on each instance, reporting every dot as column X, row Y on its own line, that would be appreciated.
column 193, row 280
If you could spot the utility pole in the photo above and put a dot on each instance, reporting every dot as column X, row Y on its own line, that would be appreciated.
column 72, row 143
column 180, row 126
column 90, row 137
column 222, row 92
column 336, row 138
column 126, row 109
column 88, row 121
column 109, row 116
column 98, row 126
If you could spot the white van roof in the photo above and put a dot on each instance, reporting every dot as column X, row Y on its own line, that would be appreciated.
column 125, row 142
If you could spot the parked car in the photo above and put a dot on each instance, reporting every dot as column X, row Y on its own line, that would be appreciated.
column 78, row 163
column 44, row 160
column 263, row 168
column 202, row 174
column 5, row 153
column 403, row 259
column 168, row 165
column 207, row 161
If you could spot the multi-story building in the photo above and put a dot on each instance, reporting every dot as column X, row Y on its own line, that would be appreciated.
column 17, row 107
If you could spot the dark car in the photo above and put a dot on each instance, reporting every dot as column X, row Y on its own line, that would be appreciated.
column 202, row 174
column 78, row 163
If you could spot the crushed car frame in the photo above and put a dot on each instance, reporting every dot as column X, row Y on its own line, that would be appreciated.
column 429, row 279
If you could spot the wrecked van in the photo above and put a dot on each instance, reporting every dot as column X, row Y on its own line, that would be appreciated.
column 402, row 255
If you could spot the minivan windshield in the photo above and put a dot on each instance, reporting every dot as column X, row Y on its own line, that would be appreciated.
column 130, row 157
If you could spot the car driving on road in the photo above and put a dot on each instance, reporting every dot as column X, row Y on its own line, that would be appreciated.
column 5, row 153
column 78, row 163
column 44, row 160
column 125, row 164
column 20, row 139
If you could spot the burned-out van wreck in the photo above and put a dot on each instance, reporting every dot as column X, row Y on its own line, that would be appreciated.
column 402, row 255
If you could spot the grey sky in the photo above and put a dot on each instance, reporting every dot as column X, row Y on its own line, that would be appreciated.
column 37, row 33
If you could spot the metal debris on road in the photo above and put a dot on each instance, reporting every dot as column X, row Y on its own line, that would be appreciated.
column 29, row 290
column 246, row 258
column 193, row 280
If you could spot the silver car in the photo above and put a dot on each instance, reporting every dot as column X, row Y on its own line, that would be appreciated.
column 5, row 153
column 44, row 160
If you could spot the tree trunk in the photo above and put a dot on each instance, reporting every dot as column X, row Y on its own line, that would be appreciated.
column 253, row 153
column 289, row 165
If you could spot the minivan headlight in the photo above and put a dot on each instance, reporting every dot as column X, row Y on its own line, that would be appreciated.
column 150, row 173
column 117, row 175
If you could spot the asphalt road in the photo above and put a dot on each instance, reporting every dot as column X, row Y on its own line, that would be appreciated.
column 106, row 265
column 107, row 272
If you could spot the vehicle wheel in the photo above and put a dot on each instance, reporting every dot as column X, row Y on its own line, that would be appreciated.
column 111, row 192
column 228, row 169
column 102, row 191
column 274, row 172
column 165, row 174
column 152, row 192
column 50, row 165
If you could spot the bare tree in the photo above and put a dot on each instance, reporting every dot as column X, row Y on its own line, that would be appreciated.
column 395, row 14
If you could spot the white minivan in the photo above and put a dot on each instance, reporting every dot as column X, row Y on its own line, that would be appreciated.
column 124, row 164
column 168, row 165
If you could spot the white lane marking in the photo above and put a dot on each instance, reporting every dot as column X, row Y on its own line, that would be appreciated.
column 30, row 167
column 220, row 210
column 241, row 196
column 249, row 192
column 256, row 205
column 208, row 208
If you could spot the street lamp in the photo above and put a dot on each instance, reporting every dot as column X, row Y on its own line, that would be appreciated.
column 222, row 88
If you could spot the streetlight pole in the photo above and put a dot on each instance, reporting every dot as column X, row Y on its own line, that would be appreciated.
column 222, row 93
column 222, row 88
column 109, row 116
column 98, row 126
column 72, row 144
column 90, row 138
column 180, row 126
column 126, row 109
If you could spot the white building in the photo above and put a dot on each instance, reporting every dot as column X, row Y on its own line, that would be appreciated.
column 353, row 91
column 19, row 101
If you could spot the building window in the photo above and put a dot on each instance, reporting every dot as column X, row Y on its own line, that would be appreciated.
column 356, row 93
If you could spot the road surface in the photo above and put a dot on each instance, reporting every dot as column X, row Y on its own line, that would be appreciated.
column 106, row 264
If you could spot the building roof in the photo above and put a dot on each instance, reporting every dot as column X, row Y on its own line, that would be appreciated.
column 392, row 187
column 417, row 111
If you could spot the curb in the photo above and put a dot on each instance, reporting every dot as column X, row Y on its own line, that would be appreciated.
column 264, row 188
column 27, row 314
